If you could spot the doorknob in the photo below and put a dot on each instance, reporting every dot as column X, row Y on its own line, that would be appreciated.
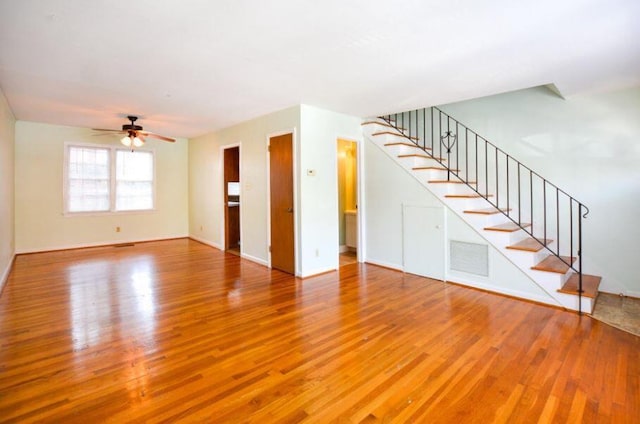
column 290, row 210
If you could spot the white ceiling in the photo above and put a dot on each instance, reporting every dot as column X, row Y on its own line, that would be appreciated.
column 193, row 66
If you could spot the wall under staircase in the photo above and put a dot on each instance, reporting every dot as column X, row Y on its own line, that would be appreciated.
column 519, row 266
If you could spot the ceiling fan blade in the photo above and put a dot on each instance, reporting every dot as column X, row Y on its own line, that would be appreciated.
column 158, row 136
column 102, row 134
column 113, row 131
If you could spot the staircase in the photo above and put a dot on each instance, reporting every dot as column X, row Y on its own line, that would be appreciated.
column 532, row 222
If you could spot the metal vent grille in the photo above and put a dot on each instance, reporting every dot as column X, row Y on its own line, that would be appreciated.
column 469, row 257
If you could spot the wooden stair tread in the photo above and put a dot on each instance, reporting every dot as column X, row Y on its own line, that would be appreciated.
column 405, row 143
column 402, row 143
column 384, row 124
column 486, row 211
column 507, row 227
column 450, row 182
column 433, row 168
column 418, row 155
column 590, row 284
column 529, row 245
column 553, row 264
column 394, row 133
column 467, row 196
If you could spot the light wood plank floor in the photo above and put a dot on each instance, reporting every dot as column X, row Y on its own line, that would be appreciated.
column 176, row 331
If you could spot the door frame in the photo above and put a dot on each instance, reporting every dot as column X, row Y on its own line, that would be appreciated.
column 360, row 198
column 296, row 199
column 223, row 229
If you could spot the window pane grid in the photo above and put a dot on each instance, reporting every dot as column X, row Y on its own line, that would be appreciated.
column 134, row 195
column 88, row 188
column 91, row 185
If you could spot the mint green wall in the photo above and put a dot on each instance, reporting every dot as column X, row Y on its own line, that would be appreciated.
column 588, row 145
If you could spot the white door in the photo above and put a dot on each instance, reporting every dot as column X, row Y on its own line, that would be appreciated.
column 423, row 240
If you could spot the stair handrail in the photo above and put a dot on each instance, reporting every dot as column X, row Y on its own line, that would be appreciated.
column 398, row 122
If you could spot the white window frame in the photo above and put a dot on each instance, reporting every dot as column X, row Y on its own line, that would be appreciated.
column 112, row 180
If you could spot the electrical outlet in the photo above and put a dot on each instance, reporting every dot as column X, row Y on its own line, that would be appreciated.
column 117, row 229
column 317, row 253
column 202, row 228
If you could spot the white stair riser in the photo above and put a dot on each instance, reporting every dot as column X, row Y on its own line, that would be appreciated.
column 502, row 239
column 430, row 174
column 442, row 189
column 375, row 128
column 527, row 259
column 553, row 279
column 462, row 204
column 400, row 149
column 415, row 162
column 485, row 220
column 384, row 137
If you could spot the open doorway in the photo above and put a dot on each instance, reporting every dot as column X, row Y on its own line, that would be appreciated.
column 348, row 201
column 231, row 179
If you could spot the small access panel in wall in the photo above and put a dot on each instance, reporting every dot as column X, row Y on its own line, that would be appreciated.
column 423, row 241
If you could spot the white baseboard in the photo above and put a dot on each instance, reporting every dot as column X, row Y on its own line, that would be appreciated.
column 509, row 292
column 219, row 247
column 633, row 293
column 384, row 264
column 316, row 272
column 207, row 242
column 6, row 271
column 98, row 244
column 254, row 259
column 344, row 248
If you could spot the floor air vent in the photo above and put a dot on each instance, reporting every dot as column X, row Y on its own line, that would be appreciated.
column 124, row 245
column 471, row 258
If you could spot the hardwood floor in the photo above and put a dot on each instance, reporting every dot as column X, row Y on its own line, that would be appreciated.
column 178, row 331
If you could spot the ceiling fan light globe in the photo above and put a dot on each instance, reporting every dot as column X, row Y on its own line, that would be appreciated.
column 126, row 141
column 137, row 142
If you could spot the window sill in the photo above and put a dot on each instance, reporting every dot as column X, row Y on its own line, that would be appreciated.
column 109, row 213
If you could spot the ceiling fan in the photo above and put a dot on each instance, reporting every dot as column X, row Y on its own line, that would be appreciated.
column 135, row 135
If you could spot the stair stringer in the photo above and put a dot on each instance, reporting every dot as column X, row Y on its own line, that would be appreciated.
column 409, row 157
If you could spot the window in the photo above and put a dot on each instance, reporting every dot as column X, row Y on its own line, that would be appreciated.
column 88, row 184
column 108, row 179
column 134, row 180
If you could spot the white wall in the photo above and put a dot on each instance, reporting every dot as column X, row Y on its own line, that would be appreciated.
column 316, row 209
column 588, row 145
column 40, row 223
column 318, row 194
column 7, row 141
column 504, row 277
column 206, row 213
column 387, row 188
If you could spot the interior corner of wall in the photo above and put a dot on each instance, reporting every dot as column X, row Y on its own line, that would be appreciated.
column 555, row 90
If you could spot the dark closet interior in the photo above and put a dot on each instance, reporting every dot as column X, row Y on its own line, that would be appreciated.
column 232, row 199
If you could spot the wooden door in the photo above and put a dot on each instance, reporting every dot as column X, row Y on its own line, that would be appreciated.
column 281, row 185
